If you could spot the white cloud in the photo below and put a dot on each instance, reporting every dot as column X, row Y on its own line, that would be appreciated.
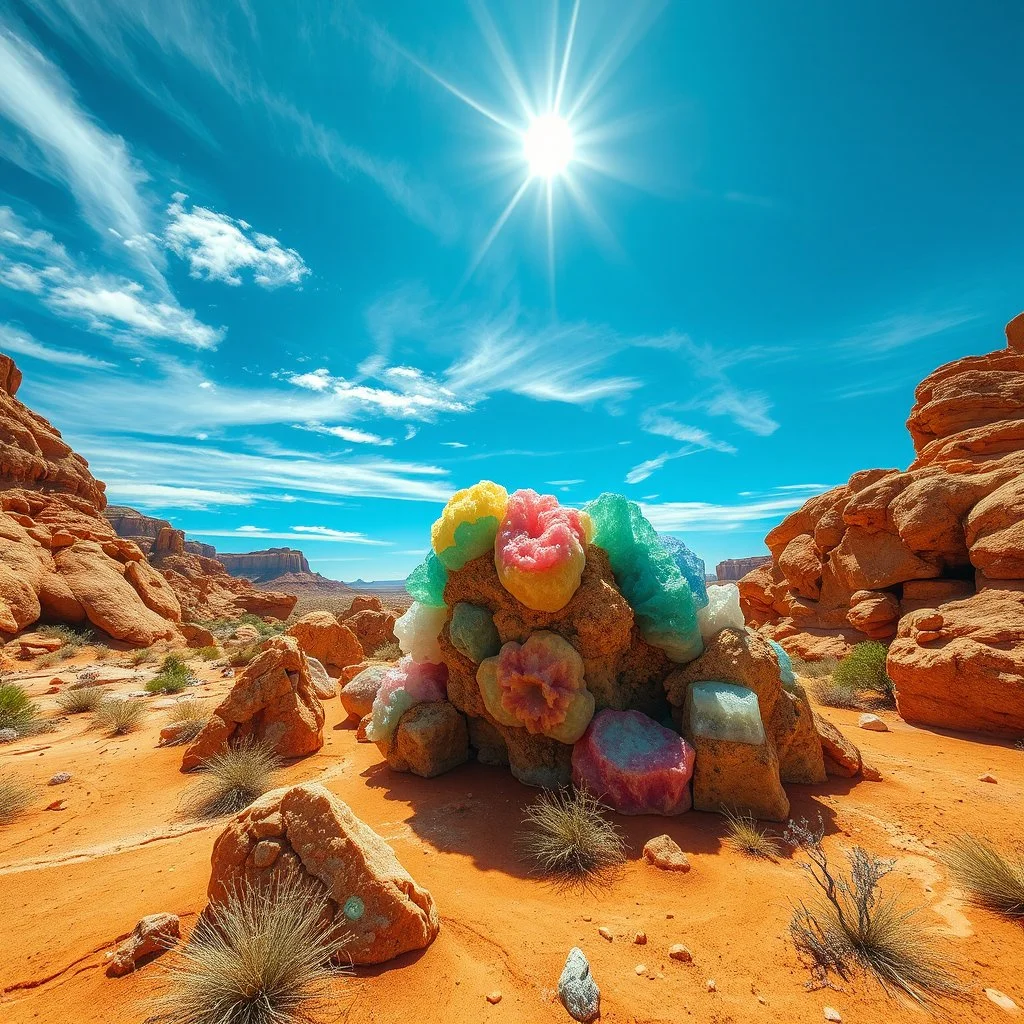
column 350, row 434
column 314, row 380
column 73, row 149
column 747, row 409
column 656, row 421
column 217, row 248
column 20, row 343
column 641, row 472
column 706, row 516
column 564, row 483
column 454, row 444
column 894, row 332
column 300, row 533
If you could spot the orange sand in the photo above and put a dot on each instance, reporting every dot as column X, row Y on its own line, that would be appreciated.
column 74, row 881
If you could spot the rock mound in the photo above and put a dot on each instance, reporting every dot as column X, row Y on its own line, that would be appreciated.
column 868, row 559
column 332, row 643
column 308, row 832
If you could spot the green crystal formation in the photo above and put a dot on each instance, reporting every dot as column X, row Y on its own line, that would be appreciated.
column 473, row 632
column 648, row 577
column 427, row 581
column 471, row 541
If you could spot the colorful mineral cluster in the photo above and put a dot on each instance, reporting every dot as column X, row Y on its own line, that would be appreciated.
column 786, row 673
column 468, row 524
column 689, row 565
column 417, row 631
column 405, row 685
column 633, row 764
column 538, row 686
column 648, row 577
column 540, row 550
column 426, row 582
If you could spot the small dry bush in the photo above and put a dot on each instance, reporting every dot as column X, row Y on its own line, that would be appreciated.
column 71, row 639
column 15, row 796
column 18, row 713
column 241, row 656
column 232, row 780
column 86, row 699
column 101, row 652
column 814, row 669
column 992, row 879
column 838, row 695
column 568, row 836
column 863, row 670
column 173, row 677
column 120, row 715
column 745, row 835
column 190, row 716
column 388, row 652
column 854, row 924
column 210, row 653
column 142, row 656
column 262, row 956
column 49, row 660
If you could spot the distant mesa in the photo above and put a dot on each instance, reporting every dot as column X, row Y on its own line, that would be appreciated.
column 147, row 532
column 260, row 566
column 736, row 568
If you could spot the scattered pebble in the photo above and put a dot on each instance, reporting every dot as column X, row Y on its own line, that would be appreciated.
column 987, row 777
column 681, row 953
column 640, row 968
column 640, row 938
column 605, row 933
column 872, row 723
column 59, row 779
column 832, row 1015
column 665, row 853
column 57, row 805
column 494, row 998
column 1003, row 1001
column 588, row 918
column 711, row 985
column 577, row 989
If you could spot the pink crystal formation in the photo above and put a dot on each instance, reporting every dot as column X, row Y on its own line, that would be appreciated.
column 422, row 680
column 633, row 764
column 538, row 682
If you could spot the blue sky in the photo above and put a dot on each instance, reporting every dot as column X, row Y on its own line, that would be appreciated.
column 255, row 263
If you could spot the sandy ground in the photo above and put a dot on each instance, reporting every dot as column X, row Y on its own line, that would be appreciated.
column 74, row 881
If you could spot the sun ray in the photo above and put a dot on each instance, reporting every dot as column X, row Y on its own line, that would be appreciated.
column 598, row 227
column 494, row 232
column 502, row 57
column 551, row 244
column 565, row 56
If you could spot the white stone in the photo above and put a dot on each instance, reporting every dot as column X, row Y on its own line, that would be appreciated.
column 872, row 723
column 722, row 611
column 833, row 1015
column 1003, row 1001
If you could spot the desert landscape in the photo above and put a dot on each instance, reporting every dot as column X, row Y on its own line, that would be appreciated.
column 175, row 737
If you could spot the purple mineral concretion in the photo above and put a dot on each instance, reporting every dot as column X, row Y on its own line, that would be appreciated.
column 633, row 764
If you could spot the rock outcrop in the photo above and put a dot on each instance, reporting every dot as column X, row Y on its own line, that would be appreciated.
column 916, row 555
column 307, row 832
column 332, row 643
column 152, row 535
column 261, row 566
column 272, row 702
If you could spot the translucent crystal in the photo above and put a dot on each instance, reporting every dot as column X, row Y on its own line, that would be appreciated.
column 468, row 523
column 473, row 632
column 406, row 684
column 648, row 577
column 722, row 612
column 417, row 631
column 689, row 565
column 786, row 673
column 725, row 711
column 540, row 550
column 427, row 581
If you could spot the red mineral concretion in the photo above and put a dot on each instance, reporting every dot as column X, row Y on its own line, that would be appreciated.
column 537, row 533
column 633, row 764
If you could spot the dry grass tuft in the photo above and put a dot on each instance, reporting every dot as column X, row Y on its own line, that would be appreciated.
column 190, row 716
column 745, row 835
column 390, row 651
column 853, row 924
column 993, row 880
column 15, row 796
column 86, row 699
column 141, row 656
column 120, row 715
column 827, row 691
column 241, row 656
column 18, row 714
column 814, row 669
column 260, row 957
column 568, row 835
column 232, row 780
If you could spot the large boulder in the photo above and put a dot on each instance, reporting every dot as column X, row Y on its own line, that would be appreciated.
column 373, row 629
column 431, row 739
column 306, row 831
column 358, row 694
column 869, row 559
column 322, row 636
column 272, row 702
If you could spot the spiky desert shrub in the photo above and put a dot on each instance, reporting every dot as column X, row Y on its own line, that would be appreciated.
column 209, row 653
column 49, row 660
column 120, row 715
column 189, row 716
column 568, row 835
column 864, row 669
column 225, row 628
column 826, row 690
column 84, row 699
column 173, row 677
column 15, row 796
column 72, row 638
column 388, row 652
column 18, row 713
column 101, row 652
column 232, row 780
column 141, row 656
column 992, row 879
column 853, row 925
column 744, row 835
column 814, row 669
column 261, row 956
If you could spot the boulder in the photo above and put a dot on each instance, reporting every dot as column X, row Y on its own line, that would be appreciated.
column 431, row 739
column 322, row 636
column 272, row 701
column 738, row 777
column 323, row 684
column 373, row 629
column 306, row 831
column 841, row 757
column 665, row 853
column 153, row 935
column 357, row 695
column 362, row 603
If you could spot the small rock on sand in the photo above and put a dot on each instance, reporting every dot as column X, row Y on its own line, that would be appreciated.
column 681, row 953
column 987, row 777
column 59, row 778
column 605, row 933
column 494, row 998
column 577, row 989
column 153, row 934
column 640, row 969
column 872, row 723
column 640, row 938
column 665, row 853
column 832, row 1015
column 1003, row 1001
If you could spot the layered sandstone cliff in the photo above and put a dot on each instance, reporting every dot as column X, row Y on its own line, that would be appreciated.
column 930, row 558
column 261, row 566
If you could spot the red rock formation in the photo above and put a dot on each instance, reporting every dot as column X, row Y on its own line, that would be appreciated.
column 916, row 554
column 260, row 566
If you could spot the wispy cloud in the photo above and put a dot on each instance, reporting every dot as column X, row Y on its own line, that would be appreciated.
column 658, row 421
column 350, row 434
column 74, row 150
column 895, row 332
column 218, row 247
column 703, row 516
column 300, row 533
column 20, row 343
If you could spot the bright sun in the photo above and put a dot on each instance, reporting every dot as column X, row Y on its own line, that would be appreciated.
column 547, row 145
